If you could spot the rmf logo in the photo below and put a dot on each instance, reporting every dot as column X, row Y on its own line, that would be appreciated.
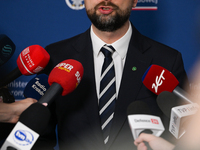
column 75, row 4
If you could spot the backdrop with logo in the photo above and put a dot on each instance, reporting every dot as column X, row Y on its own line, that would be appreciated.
column 29, row 22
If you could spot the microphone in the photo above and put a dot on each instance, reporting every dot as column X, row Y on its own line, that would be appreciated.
column 141, row 120
column 31, row 124
column 167, row 100
column 36, row 87
column 6, row 95
column 31, row 60
column 178, row 111
column 63, row 79
column 7, row 48
column 158, row 79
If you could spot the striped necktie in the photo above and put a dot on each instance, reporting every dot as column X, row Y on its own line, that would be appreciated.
column 107, row 95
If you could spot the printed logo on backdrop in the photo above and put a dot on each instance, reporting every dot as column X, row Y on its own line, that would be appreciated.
column 17, row 88
column 141, row 5
column 146, row 5
column 75, row 4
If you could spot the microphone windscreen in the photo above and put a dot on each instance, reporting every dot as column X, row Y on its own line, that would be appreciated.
column 36, row 117
column 36, row 87
column 32, row 60
column 158, row 79
column 7, row 48
column 138, row 107
column 167, row 100
column 68, row 74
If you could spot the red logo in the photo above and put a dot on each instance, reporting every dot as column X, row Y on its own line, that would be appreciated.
column 154, row 121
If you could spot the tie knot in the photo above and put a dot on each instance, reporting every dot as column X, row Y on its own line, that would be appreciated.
column 107, row 50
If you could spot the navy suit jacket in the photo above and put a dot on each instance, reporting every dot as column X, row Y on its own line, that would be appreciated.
column 76, row 114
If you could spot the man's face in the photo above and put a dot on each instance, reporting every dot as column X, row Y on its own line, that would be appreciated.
column 109, row 15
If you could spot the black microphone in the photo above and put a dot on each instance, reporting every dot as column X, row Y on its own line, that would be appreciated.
column 31, row 124
column 6, row 95
column 141, row 120
column 7, row 48
column 167, row 100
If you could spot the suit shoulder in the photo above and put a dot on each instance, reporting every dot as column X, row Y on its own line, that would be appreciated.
column 159, row 47
column 66, row 42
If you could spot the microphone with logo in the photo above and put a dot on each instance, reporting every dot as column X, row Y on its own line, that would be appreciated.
column 7, row 48
column 31, row 60
column 177, row 110
column 158, row 79
column 141, row 121
column 37, row 87
column 63, row 79
column 31, row 125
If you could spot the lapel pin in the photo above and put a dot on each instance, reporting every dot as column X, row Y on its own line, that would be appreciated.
column 134, row 68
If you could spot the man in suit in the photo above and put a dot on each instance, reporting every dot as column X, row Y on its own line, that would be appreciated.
column 77, row 114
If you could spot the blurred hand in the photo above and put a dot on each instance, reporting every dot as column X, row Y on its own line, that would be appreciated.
column 10, row 112
column 156, row 143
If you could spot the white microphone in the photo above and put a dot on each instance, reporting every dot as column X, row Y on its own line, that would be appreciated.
column 141, row 120
column 31, row 124
column 179, row 116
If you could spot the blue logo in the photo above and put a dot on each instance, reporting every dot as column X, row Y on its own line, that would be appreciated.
column 23, row 137
column 75, row 4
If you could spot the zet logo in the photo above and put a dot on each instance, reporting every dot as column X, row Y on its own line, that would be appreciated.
column 75, row 4
column 23, row 137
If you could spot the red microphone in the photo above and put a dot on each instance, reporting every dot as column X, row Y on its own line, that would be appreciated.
column 30, row 61
column 63, row 79
column 158, row 79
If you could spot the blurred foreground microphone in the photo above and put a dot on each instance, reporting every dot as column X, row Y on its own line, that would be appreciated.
column 178, row 111
column 31, row 60
column 63, row 79
column 7, row 48
column 167, row 100
column 6, row 95
column 37, row 86
column 31, row 124
column 141, row 120
column 158, row 79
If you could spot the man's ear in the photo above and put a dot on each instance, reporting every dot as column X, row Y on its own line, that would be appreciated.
column 134, row 3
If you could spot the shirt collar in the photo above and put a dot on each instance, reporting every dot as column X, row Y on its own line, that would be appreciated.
column 121, row 45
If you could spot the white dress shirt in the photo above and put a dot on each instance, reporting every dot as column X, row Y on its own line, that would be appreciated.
column 119, row 56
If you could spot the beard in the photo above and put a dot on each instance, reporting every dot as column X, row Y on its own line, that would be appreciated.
column 109, row 23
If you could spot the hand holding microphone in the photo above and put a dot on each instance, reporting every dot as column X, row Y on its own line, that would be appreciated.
column 141, row 120
column 31, row 60
column 156, row 143
column 31, row 124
